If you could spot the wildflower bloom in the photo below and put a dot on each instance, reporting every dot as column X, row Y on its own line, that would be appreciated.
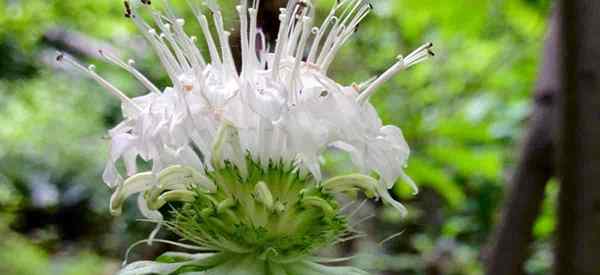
column 239, row 153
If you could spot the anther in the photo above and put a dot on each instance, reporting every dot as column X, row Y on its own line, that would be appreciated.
column 60, row 56
column 128, row 12
column 429, row 51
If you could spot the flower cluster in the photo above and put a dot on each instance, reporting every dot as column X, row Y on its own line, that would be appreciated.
column 242, row 150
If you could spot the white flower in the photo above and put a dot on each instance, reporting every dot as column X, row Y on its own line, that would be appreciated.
column 281, row 108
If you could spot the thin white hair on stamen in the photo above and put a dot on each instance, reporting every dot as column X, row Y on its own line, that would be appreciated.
column 393, row 236
column 178, row 244
column 129, row 68
column 354, row 237
column 346, row 206
column 326, row 260
column 90, row 71
column 355, row 211
column 363, row 219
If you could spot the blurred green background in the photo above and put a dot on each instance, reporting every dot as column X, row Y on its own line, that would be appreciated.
column 463, row 114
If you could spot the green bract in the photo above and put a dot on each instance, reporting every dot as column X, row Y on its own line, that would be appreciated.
column 267, row 222
column 273, row 213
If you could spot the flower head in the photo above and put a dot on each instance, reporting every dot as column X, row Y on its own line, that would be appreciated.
column 240, row 151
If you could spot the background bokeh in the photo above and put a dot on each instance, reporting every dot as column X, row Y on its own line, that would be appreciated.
column 463, row 114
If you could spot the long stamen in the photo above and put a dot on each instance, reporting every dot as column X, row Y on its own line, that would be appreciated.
column 203, row 22
column 129, row 68
column 321, row 31
column 187, row 43
column 306, row 30
column 190, row 50
column 61, row 57
column 346, row 32
column 417, row 56
column 243, row 15
column 164, row 54
column 223, row 36
column 285, row 17
column 252, row 54
column 166, row 33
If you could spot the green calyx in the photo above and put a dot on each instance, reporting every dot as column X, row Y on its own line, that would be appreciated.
column 269, row 212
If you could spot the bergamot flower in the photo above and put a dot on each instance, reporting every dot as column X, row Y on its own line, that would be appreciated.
column 237, row 155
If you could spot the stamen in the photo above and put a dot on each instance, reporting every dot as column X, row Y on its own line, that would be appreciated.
column 306, row 30
column 242, row 13
column 223, row 42
column 107, row 85
column 129, row 68
column 393, row 236
column 60, row 56
column 166, row 57
column 419, row 55
column 128, row 12
column 285, row 18
column 190, row 50
column 252, row 44
column 345, row 32
column 214, row 54
column 168, row 34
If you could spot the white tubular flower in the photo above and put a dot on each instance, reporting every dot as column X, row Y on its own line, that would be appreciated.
column 240, row 151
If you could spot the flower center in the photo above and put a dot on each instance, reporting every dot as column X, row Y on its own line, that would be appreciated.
column 274, row 212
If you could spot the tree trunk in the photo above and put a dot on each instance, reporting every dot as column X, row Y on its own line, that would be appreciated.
column 510, row 245
column 578, row 154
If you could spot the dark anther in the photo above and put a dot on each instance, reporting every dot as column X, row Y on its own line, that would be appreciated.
column 324, row 93
column 128, row 12
column 60, row 57
column 429, row 51
column 301, row 6
column 146, row 2
column 356, row 28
